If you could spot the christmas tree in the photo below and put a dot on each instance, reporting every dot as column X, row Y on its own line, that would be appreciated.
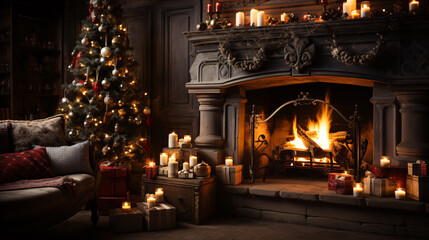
column 105, row 103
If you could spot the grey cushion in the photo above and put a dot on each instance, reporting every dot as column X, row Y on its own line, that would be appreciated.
column 69, row 159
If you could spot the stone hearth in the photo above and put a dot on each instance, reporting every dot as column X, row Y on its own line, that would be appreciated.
column 398, row 78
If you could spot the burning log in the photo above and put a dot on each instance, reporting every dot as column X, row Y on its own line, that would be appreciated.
column 311, row 145
column 340, row 136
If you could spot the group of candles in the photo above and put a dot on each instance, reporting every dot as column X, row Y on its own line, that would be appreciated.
column 349, row 7
column 173, row 140
column 173, row 165
column 153, row 199
column 210, row 8
column 384, row 162
column 257, row 18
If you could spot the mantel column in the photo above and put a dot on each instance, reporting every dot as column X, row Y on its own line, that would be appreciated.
column 210, row 140
column 414, row 111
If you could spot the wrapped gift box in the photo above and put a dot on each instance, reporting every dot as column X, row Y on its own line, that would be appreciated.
column 151, row 172
column 182, row 154
column 367, row 185
column 186, row 174
column 159, row 217
column 230, row 175
column 106, row 203
column 395, row 173
column 129, row 220
column 113, row 182
column 418, row 188
column 423, row 169
column 414, row 169
column 333, row 177
column 383, row 187
column 163, row 171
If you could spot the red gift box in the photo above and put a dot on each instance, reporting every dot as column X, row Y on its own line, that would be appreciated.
column 423, row 169
column 396, row 173
column 341, row 183
column 113, row 181
column 151, row 172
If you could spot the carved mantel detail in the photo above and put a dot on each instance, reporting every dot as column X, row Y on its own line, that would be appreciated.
column 299, row 54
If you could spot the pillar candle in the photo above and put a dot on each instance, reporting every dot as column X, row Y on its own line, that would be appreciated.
column 352, row 4
column 173, row 168
column 253, row 17
column 187, row 138
column 159, row 195
column 193, row 160
column 414, row 5
column 384, row 161
column 357, row 191
column 172, row 140
column 283, row 17
column 228, row 161
column 261, row 19
column 239, row 19
column 347, row 9
column 364, row 9
column 399, row 194
column 151, row 201
column 217, row 7
column 209, row 8
column 163, row 159
column 185, row 166
column 126, row 205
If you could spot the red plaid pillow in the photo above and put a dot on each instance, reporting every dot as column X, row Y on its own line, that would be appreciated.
column 30, row 164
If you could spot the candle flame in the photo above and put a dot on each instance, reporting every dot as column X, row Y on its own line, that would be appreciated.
column 151, row 164
column 358, row 185
column 345, row 172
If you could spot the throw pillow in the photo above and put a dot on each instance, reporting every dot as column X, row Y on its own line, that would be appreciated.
column 69, row 159
column 48, row 132
column 31, row 164
column 4, row 137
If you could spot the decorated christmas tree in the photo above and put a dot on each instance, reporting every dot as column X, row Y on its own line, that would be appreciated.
column 105, row 103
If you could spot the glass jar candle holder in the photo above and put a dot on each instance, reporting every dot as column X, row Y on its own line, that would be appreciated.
column 365, row 9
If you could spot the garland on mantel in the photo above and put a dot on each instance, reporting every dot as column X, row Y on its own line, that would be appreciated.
column 245, row 65
column 349, row 59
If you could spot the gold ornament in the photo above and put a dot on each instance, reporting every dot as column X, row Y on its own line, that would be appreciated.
column 146, row 111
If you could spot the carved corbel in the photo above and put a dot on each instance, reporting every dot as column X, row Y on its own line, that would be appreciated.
column 299, row 53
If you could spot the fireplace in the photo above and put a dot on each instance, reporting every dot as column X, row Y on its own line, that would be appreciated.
column 392, row 92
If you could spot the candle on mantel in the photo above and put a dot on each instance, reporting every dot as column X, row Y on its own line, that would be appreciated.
column 209, row 8
column 357, row 191
column 253, row 17
column 414, row 5
column 159, row 195
column 347, row 9
column 352, row 4
column 384, row 161
column 364, row 9
column 217, row 7
column 173, row 167
column 283, row 17
column 151, row 201
column 193, row 160
column 172, row 140
column 185, row 166
column 228, row 161
column 163, row 159
column 355, row 14
column 261, row 19
column 239, row 19
column 126, row 205
column 399, row 194
column 187, row 138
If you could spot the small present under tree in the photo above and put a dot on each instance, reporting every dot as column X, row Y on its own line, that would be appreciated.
column 105, row 103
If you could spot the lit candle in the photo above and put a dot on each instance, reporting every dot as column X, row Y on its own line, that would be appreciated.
column 347, row 9
column 159, row 195
column 185, row 166
column 355, row 14
column 172, row 140
column 414, row 5
column 187, row 138
column 163, row 159
column 228, row 161
column 193, row 160
column 357, row 191
column 239, row 19
column 352, row 4
column 217, row 7
column 126, row 205
column 151, row 164
column 253, row 17
column 151, row 201
column 384, row 161
column 209, row 8
column 283, row 17
column 172, row 158
column 261, row 19
column 173, row 168
column 364, row 9
column 399, row 194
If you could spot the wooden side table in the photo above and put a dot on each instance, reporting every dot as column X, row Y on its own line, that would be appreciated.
column 194, row 199
column 122, row 221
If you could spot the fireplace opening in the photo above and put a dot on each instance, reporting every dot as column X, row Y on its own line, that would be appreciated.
column 307, row 140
